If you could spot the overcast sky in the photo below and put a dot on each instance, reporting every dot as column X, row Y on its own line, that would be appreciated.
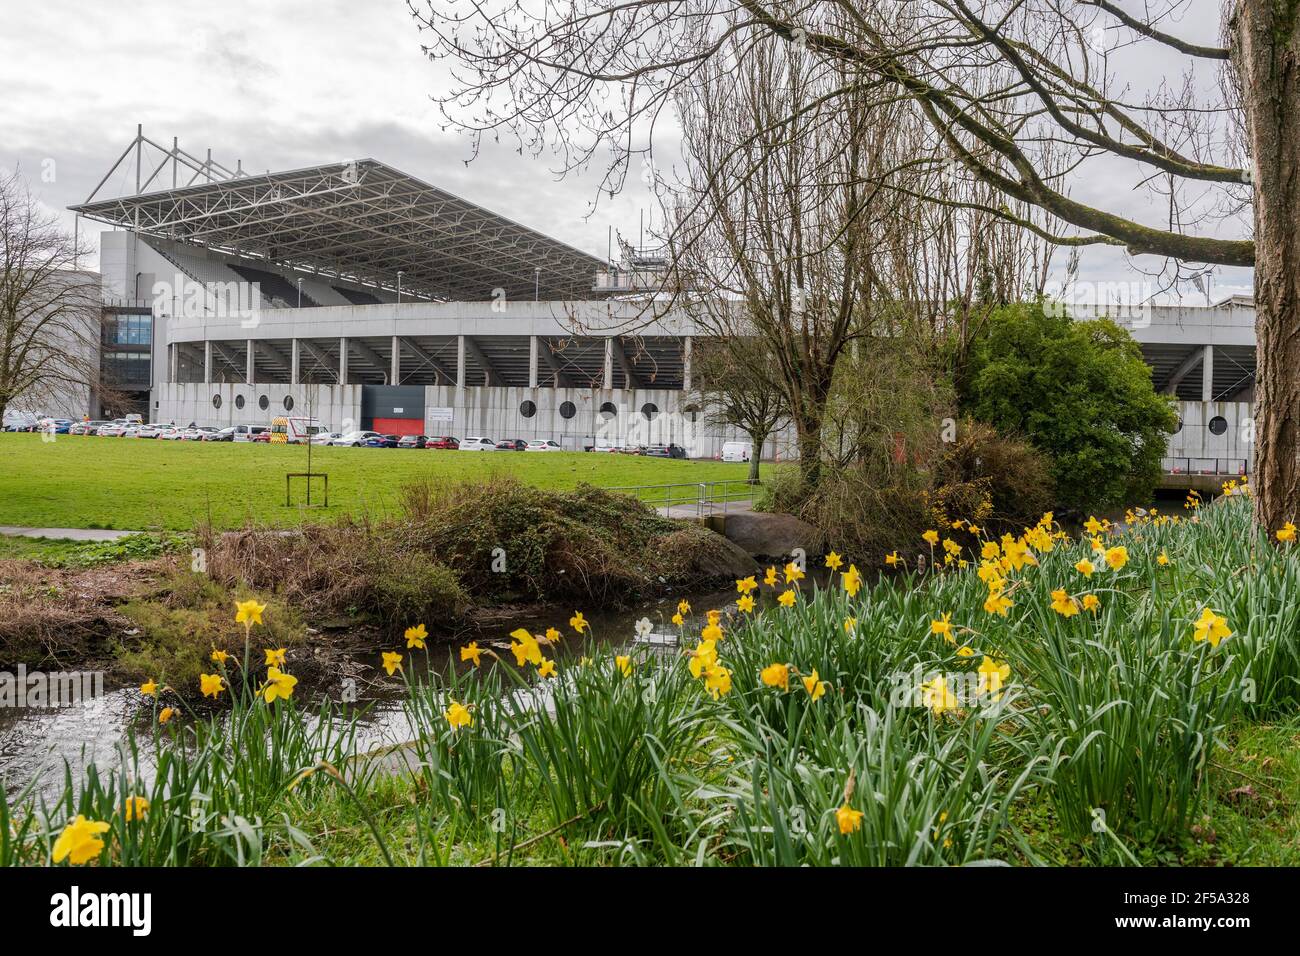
column 296, row 83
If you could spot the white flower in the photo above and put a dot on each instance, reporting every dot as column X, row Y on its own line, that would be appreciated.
column 643, row 628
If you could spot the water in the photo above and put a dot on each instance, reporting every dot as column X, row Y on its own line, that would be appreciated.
column 36, row 743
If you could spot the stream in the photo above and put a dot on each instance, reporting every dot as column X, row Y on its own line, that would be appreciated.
column 35, row 743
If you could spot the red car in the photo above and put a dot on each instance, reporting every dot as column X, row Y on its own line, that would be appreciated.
column 442, row 441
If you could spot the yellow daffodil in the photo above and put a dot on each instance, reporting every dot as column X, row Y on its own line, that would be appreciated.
column 552, row 636
column 793, row 573
column 1286, row 533
column 746, row 585
column 852, row 581
column 703, row 657
column 134, row 808
column 457, row 715
column 392, row 662
column 965, row 651
column 891, row 559
column 1093, row 526
column 1091, row 602
column 1162, row 559
column 1063, row 604
column 745, row 603
column 776, row 675
column 220, row 657
column 833, row 561
column 815, row 686
column 547, row 669
column 787, row 598
column 578, row 622
column 931, row 537
column 990, row 551
column 166, row 714
column 278, row 684
column 624, row 665
column 678, row 619
column 848, row 819
column 416, row 636
column 943, row 628
column 711, row 632
column 149, row 688
column 80, row 841
column 1211, row 627
column 717, row 681
column 993, row 677
column 525, row 647
column 683, row 606
column 471, row 652
column 1116, row 557
column 211, row 685
column 275, row 658
column 850, row 625
column 998, row 603
column 1085, row 567
column 770, row 577
column 248, row 613
column 938, row 696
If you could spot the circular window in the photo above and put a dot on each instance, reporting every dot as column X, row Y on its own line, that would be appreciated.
column 608, row 410
column 263, row 403
column 216, row 401
column 650, row 410
column 568, row 410
column 288, row 403
column 1218, row 425
column 692, row 413
column 239, row 401
column 528, row 408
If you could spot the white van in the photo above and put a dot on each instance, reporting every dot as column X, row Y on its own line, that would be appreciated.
column 737, row 451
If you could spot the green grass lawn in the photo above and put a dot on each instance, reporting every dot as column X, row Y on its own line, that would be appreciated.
column 77, row 482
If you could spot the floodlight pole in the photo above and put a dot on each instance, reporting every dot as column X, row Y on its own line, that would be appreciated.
column 300, row 292
column 399, row 286
column 537, row 283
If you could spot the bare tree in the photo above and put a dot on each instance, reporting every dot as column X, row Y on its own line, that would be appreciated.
column 737, row 390
column 1002, row 85
column 49, row 311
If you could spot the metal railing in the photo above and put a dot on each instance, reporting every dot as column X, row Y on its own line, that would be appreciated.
column 697, row 498
column 1205, row 466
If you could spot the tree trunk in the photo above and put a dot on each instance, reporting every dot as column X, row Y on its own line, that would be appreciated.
column 808, row 431
column 1266, row 52
column 759, row 439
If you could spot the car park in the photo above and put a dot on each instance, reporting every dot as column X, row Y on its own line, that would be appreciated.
column 324, row 438
column 412, row 441
column 112, row 430
column 446, row 442
column 478, row 444
column 199, row 434
column 512, row 444
column 150, row 430
column 665, row 451
column 543, row 445
column 86, row 428
column 173, row 433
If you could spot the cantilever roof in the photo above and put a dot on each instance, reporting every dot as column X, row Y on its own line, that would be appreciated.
column 362, row 221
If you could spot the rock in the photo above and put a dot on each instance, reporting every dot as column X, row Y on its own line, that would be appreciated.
column 772, row 535
column 723, row 558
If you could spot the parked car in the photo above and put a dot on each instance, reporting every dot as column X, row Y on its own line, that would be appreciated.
column 442, row 441
column 356, row 439
column 737, row 451
column 412, row 441
column 478, row 444
column 132, row 430
column 264, row 436
column 512, row 444
column 324, row 438
column 112, row 430
column 149, row 430
column 86, row 428
column 383, row 441
column 202, row 433
column 665, row 451
column 173, row 433
column 546, row 445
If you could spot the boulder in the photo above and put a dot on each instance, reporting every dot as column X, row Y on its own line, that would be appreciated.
column 772, row 535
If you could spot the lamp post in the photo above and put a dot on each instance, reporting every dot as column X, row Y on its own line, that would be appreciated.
column 399, row 286
column 537, row 282
column 300, row 292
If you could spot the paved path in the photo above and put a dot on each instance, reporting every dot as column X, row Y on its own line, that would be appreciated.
column 66, row 534
column 703, row 511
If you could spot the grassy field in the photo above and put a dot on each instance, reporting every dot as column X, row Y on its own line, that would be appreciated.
column 76, row 482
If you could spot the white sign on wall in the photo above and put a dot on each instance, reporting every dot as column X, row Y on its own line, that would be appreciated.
column 437, row 414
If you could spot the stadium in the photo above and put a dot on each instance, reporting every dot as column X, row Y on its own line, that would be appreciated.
column 364, row 297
